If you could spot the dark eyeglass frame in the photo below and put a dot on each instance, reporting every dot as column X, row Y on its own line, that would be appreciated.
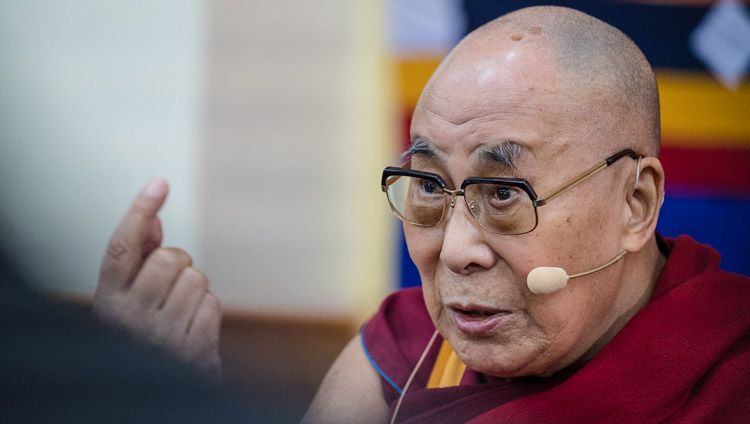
column 536, row 201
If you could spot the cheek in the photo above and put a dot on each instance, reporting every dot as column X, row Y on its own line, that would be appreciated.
column 424, row 246
column 577, row 238
column 552, row 313
column 562, row 322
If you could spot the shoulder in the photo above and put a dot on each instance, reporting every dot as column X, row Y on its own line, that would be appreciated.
column 402, row 322
column 350, row 392
column 694, row 267
column 395, row 337
column 370, row 371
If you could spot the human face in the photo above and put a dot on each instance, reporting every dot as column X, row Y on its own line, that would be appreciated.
column 473, row 280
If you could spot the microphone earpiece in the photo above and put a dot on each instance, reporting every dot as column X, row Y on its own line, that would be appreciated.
column 549, row 279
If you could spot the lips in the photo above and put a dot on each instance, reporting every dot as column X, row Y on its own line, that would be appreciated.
column 477, row 320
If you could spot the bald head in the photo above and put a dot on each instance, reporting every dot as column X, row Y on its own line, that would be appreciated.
column 592, row 62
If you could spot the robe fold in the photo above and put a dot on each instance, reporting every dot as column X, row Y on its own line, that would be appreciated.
column 683, row 358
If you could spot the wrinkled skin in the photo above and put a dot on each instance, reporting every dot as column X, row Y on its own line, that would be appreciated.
column 518, row 96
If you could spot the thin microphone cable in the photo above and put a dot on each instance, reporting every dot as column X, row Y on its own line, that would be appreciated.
column 411, row 377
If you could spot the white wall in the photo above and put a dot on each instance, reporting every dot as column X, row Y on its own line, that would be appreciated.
column 95, row 97
column 270, row 119
column 297, row 133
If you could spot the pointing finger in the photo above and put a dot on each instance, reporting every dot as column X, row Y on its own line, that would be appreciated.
column 125, row 250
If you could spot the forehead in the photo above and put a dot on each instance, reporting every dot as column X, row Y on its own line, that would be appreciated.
column 514, row 95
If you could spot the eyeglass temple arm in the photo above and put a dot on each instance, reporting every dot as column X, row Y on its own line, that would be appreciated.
column 579, row 179
column 543, row 200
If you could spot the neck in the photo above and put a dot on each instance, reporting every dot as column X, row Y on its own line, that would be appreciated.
column 636, row 290
column 639, row 285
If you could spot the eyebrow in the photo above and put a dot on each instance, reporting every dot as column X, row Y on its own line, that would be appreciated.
column 506, row 153
column 419, row 146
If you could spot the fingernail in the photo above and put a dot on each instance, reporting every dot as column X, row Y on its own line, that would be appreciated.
column 155, row 187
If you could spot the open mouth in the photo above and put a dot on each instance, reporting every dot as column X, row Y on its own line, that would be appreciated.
column 477, row 320
column 475, row 313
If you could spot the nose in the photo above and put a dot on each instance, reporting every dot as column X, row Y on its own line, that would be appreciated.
column 465, row 249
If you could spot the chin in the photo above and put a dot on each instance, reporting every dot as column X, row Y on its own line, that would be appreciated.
column 495, row 368
column 489, row 358
column 498, row 359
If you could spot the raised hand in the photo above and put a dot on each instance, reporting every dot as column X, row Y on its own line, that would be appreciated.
column 154, row 293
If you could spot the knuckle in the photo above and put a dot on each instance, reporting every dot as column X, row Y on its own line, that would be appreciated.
column 196, row 279
column 163, row 258
column 117, row 248
column 184, row 257
column 212, row 303
column 169, row 258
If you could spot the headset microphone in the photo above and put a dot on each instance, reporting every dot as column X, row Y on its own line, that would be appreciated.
column 549, row 279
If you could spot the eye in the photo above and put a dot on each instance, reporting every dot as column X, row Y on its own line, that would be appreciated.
column 503, row 193
column 429, row 186
column 499, row 196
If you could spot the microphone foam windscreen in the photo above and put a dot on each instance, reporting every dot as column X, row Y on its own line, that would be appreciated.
column 546, row 279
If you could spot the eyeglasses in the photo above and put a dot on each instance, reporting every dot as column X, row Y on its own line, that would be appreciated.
column 500, row 205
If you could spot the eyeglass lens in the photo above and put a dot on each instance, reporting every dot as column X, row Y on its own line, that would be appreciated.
column 499, row 208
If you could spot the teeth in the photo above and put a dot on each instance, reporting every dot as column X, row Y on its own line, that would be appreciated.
column 479, row 313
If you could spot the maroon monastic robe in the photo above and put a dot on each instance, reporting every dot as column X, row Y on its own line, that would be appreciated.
column 685, row 357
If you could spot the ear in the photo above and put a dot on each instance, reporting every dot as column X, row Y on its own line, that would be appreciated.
column 642, row 203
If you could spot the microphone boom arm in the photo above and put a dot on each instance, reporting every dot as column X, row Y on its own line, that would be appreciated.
column 615, row 259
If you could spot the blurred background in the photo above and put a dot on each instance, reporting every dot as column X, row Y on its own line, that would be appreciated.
column 273, row 120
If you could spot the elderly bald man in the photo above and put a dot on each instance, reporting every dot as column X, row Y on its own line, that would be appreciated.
column 530, row 202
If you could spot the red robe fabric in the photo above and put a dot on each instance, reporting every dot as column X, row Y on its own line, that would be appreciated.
column 684, row 358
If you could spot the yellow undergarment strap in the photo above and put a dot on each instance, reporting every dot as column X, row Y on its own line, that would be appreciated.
column 448, row 369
